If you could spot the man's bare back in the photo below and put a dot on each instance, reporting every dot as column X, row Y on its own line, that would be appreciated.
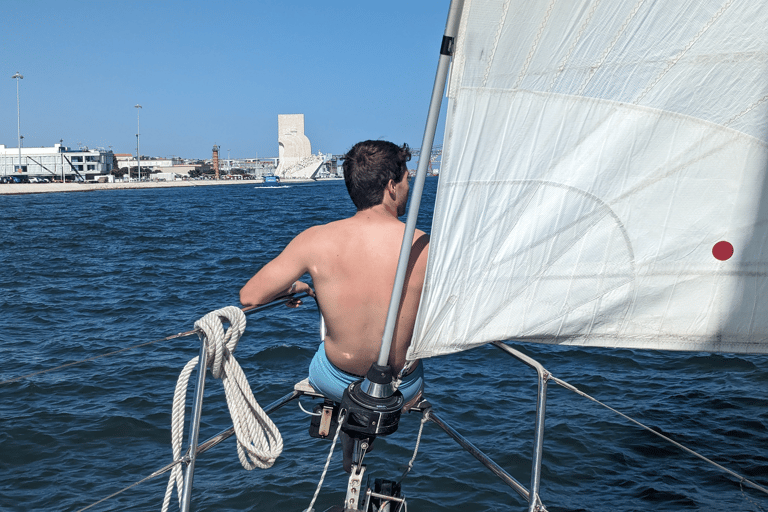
column 353, row 263
column 354, row 283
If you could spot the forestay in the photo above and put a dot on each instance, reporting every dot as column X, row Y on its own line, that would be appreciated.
column 603, row 178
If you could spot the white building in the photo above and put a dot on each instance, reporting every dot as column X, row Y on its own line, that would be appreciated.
column 128, row 161
column 56, row 163
column 165, row 176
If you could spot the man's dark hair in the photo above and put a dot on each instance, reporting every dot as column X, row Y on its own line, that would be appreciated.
column 369, row 166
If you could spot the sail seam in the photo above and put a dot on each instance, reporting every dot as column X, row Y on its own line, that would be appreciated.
column 497, row 37
column 591, row 219
column 583, row 29
column 685, row 50
column 593, row 69
column 535, row 45
column 753, row 140
column 674, row 166
column 746, row 111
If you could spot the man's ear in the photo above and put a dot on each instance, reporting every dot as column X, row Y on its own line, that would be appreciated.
column 392, row 188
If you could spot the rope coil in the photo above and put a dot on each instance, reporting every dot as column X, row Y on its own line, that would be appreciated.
column 259, row 442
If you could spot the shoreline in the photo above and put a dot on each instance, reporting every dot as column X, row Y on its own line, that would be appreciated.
column 43, row 188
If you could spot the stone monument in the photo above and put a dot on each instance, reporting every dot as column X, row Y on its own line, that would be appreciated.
column 295, row 151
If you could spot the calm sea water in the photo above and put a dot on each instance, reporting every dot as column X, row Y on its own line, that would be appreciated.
column 88, row 273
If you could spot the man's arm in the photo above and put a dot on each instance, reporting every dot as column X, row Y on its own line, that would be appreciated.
column 280, row 276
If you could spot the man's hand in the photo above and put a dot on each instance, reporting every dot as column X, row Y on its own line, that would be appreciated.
column 299, row 287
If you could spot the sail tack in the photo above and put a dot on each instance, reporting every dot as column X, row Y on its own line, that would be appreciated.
column 603, row 178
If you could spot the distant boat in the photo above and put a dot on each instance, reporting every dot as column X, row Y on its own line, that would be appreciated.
column 270, row 178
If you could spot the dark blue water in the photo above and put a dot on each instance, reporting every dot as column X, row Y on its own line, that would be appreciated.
column 88, row 273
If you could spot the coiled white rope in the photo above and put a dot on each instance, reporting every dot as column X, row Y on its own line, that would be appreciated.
column 258, row 441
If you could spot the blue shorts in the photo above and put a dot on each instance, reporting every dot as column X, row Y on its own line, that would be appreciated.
column 327, row 379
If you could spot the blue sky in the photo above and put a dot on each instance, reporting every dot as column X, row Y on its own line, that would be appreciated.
column 211, row 73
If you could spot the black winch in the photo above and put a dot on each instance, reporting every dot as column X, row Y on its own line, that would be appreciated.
column 372, row 405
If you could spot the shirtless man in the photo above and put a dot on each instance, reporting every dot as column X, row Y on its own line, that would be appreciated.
column 352, row 263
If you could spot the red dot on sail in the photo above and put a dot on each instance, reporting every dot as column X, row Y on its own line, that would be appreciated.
column 722, row 251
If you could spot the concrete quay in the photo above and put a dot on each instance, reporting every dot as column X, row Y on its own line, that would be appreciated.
column 41, row 188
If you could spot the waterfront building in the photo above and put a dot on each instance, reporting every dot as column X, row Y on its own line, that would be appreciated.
column 128, row 161
column 56, row 163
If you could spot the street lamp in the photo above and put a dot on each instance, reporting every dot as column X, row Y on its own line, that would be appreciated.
column 138, row 131
column 18, row 76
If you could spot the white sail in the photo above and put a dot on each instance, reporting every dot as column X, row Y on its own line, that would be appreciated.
column 603, row 178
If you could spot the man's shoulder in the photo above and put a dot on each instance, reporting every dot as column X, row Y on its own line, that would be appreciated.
column 324, row 229
column 346, row 225
column 358, row 226
column 321, row 232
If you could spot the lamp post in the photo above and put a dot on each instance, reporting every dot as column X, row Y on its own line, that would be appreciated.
column 61, row 153
column 138, row 131
column 18, row 76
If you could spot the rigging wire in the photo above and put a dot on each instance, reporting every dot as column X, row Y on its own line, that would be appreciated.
column 201, row 448
column 741, row 479
column 73, row 363
column 342, row 415
column 134, row 484
column 250, row 309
